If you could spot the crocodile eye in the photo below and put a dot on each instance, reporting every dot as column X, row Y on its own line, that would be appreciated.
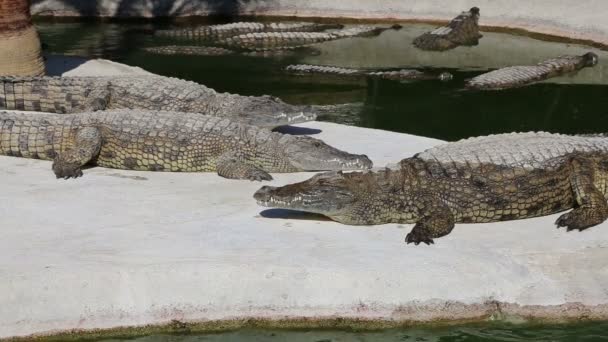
column 316, row 144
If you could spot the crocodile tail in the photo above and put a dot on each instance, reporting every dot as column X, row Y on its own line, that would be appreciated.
column 52, row 94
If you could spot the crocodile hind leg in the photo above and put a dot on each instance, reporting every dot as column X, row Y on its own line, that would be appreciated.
column 229, row 165
column 436, row 221
column 592, row 207
column 85, row 146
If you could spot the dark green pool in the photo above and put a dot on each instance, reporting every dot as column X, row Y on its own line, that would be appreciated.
column 571, row 104
column 590, row 332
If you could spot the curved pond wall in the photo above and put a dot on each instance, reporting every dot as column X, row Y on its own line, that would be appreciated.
column 583, row 19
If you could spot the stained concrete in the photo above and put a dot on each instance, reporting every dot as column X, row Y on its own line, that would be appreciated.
column 125, row 248
column 582, row 19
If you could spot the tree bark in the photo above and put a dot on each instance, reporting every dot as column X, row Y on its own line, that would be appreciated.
column 20, row 53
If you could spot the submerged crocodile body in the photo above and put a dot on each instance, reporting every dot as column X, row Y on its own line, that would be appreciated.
column 290, row 40
column 485, row 179
column 80, row 94
column 400, row 75
column 165, row 141
column 219, row 51
column 235, row 29
column 462, row 30
column 518, row 76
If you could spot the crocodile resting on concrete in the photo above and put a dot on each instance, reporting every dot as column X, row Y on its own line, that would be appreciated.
column 462, row 30
column 485, row 179
column 165, row 141
column 518, row 76
column 399, row 75
column 235, row 29
column 290, row 40
column 81, row 94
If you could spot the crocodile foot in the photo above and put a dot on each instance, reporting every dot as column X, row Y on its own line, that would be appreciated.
column 257, row 175
column 66, row 170
column 418, row 235
column 581, row 218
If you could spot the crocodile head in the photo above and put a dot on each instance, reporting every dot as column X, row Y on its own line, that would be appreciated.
column 310, row 154
column 340, row 196
column 270, row 112
column 590, row 59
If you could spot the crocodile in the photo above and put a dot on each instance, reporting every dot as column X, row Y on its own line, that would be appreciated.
column 462, row 30
column 165, row 141
column 401, row 74
column 518, row 76
column 290, row 40
column 484, row 179
column 219, row 51
column 80, row 94
column 209, row 32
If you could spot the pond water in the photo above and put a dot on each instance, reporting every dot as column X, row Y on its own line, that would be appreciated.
column 570, row 104
column 591, row 332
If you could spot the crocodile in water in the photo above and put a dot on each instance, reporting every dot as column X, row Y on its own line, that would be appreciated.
column 485, row 179
column 400, row 75
column 190, row 50
column 462, row 30
column 80, row 94
column 234, row 29
column 517, row 76
column 290, row 40
column 165, row 141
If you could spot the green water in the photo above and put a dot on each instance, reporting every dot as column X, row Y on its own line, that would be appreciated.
column 572, row 104
column 590, row 332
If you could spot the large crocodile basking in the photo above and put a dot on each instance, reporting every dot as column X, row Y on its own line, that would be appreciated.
column 81, row 94
column 399, row 75
column 462, row 30
column 208, row 32
column 165, row 141
column 518, row 76
column 485, row 179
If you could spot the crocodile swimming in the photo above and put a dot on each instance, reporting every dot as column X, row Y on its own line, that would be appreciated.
column 190, row 50
column 518, row 76
column 209, row 32
column 81, row 94
column 400, row 75
column 462, row 30
column 484, row 179
column 290, row 40
column 165, row 141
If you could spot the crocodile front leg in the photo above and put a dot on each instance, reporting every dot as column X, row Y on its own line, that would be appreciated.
column 436, row 220
column 592, row 207
column 86, row 145
column 231, row 166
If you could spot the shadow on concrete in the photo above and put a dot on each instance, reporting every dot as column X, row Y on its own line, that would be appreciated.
column 57, row 65
column 292, row 215
column 157, row 8
column 295, row 130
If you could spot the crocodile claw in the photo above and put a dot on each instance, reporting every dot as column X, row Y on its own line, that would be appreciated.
column 416, row 237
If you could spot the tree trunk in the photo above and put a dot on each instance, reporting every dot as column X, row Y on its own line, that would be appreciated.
column 19, row 42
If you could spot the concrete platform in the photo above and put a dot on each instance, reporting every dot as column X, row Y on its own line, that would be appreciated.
column 123, row 248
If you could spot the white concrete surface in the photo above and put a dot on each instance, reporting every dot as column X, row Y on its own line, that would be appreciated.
column 581, row 19
column 124, row 248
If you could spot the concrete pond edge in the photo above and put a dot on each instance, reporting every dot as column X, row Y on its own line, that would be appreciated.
column 434, row 314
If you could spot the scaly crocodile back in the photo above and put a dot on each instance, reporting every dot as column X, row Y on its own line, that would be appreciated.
column 233, row 29
column 290, row 40
column 517, row 76
column 529, row 150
